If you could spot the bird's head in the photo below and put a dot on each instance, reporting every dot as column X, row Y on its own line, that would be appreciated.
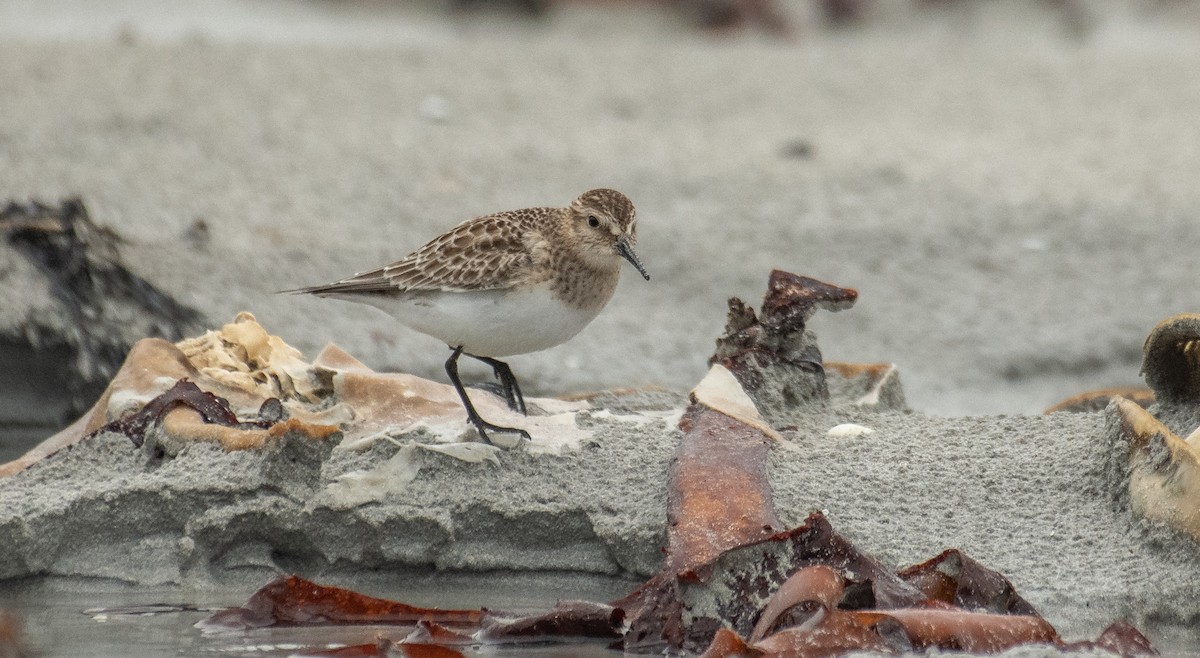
column 605, row 223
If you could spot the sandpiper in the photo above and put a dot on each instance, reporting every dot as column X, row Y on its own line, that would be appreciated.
column 508, row 283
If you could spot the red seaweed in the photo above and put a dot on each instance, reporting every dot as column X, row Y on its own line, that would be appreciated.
column 1121, row 638
column 385, row 648
column 792, row 299
column 955, row 578
column 822, row 630
column 294, row 601
column 12, row 636
column 729, row 573
column 718, row 496
column 428, row 632
column 214, row 409
column 733, row 589
column 372, row 650
column 567, row 619
column 961, row 630
column 421, row 651
column 819, row 585
column 833, row 635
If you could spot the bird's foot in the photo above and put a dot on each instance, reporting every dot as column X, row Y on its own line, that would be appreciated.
column 483, row 427
column 508, row 383
column 512, row 392
column 514, row 402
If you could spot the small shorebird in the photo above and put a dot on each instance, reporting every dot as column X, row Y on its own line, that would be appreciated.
column 509, row 283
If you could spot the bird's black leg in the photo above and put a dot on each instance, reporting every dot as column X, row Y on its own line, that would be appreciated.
column 480, row 424
column 508, row 381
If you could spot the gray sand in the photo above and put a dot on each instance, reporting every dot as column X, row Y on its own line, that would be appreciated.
column 1028, row 496
column 1017, row 207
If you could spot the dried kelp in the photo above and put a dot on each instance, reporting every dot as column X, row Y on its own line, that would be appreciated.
column 101, row 306
column 295, row 601
column 959, row 630
column 718, row 498
column 1171, row 359
column 865, row 385
column 721, row 15
column 777, row 360
column 1154, row 453
column 772, row 354
column 1156, row 471
column 213, row 419
column 734, row 582
column 831, row 635
column 813, row 612
column 1098, row 399
column 807, row 591
column 268, row 391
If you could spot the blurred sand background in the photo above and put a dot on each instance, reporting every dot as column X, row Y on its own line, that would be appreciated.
column 1011, row 186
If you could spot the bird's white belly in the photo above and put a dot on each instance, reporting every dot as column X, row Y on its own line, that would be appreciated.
column 490, row 323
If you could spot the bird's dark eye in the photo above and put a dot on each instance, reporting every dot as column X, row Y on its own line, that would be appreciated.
column 593, row 221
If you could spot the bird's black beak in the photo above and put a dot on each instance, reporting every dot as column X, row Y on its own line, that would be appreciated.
column 626, row 252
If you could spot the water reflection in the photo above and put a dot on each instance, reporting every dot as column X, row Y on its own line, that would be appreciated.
column 66, row 619
column 61, row 617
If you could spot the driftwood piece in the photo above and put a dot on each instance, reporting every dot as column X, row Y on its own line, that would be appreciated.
column 98, row 306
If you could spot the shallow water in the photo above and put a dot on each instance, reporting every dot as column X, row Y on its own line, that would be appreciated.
column 14, row 441
column 61, row 618
column 61, row 622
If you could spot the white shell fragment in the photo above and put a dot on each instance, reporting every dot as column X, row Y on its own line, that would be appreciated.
column 721, row 391
column 848, row 430
column 1163, row 469
column 472, row 453
column 368, row 486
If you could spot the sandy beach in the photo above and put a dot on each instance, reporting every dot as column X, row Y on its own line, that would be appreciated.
column 1016, row 206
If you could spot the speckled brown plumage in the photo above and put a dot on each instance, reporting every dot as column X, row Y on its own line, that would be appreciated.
column 509, row 283
column 485, row 253
column 511, row 249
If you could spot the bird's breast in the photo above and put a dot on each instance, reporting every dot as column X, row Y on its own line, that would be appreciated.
column 495, row 323
column 583, row 286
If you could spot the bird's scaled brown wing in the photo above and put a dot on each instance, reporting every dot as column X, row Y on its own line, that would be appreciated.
column 485, row 253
